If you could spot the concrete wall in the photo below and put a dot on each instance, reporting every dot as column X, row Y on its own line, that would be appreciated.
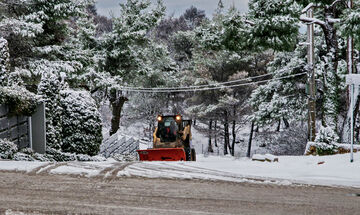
column 38, row 129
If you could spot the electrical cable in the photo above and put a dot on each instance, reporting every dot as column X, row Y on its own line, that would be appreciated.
column 202, row 85
column 147, row 90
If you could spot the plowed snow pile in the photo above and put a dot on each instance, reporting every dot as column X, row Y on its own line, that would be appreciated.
column 333, row 170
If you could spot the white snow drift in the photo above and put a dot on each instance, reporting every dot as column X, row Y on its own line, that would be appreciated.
column 333, row 170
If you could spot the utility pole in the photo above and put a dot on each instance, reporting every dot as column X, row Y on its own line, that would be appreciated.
column 350, row 67
column 311, row 77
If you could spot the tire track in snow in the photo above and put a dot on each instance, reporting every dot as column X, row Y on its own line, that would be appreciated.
column 183, row 171
column 111, row 173
column 47, row 169
column 35, row 170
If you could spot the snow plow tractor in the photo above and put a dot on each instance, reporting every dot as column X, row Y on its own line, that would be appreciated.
column 172, row 141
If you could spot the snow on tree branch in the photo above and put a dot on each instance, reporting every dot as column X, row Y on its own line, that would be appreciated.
column 312, row 20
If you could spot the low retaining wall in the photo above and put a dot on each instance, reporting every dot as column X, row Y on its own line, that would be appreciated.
column 314, row 148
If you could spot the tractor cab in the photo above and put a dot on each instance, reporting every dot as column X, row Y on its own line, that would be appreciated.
column 168, row 129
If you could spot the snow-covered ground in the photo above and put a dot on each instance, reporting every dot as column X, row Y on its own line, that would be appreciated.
column 333, row 170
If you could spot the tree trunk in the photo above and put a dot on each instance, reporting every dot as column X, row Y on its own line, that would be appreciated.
column 250, row 139
column 234, row 138
column 215, row 132
column 210, row 149
column 286, row 122
column 331, row 78
column 117, row 102
column 278, row 126
column 226, row 133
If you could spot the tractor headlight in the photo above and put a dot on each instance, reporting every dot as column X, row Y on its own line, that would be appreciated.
column 159, row 118
column 178, row 118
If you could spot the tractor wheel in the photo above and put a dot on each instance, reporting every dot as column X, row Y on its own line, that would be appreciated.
column 193, row 155
column 187, row 141
column 188, row 153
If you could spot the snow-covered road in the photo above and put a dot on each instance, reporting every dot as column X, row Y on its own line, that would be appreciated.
column 333, row 170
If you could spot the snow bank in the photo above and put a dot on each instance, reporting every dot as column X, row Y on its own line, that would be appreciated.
column 335, row 170
column 23, row 166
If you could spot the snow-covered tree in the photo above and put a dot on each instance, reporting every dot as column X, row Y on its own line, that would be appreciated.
column 278, row 22
column 4, row 62
column 49, row 89
column 132, row 57
column 36, row 31
column 81, row 123
column 219, row 57
column 350, row 23
column 274, row 24
column 283, row 97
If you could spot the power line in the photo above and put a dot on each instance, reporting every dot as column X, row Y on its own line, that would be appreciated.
column 147, row 90
column 202, row 85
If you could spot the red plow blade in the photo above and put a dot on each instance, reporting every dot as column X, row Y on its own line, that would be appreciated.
column 162, row 154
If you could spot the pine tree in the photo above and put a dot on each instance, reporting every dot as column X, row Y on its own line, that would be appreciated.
column 49, row 89
column 4, row 62
column 131, row 56
column 274, row 25
column 219, row 57
column 282, row 99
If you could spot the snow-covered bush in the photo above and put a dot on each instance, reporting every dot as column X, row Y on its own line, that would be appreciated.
column 59, row 156
column 49, row 90
column 23, row 157
column 7, row 149
column 326, row 135
column 4, row 61
column 19, row 100
column 81, row 123
column 325, row 141
column 321, row 148
column 27, row 154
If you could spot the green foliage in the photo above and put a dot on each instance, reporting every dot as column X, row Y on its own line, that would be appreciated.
column 275, row 24
column 7, row 149
column 182, row 44
column 49, row 89
column 126, row 43
column 81, row 123
column 19, row 100
column 326, row 150
column 4, row 62
column 326, row 135
column 350, row 23
column 284, row 98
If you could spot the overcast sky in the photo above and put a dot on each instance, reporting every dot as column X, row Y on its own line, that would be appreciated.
column 176, row 7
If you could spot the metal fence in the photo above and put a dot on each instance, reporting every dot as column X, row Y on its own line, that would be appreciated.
column 119, row 144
